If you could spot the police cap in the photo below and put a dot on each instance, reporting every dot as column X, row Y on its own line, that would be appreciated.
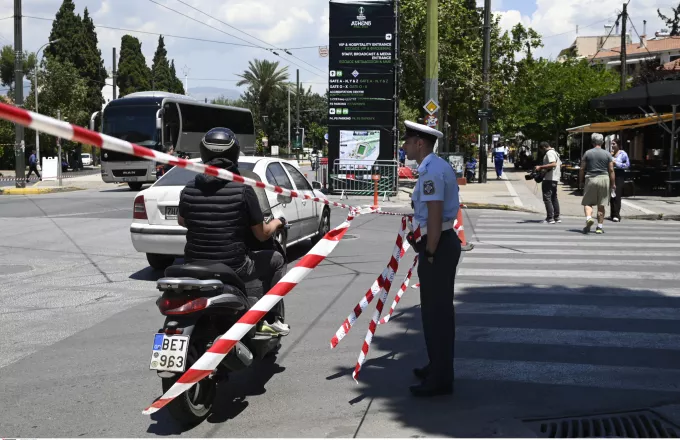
column 422, row 131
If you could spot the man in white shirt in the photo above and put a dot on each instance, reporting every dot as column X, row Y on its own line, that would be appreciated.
column 551, row 170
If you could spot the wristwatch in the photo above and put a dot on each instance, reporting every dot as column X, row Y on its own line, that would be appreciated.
column 429, row 256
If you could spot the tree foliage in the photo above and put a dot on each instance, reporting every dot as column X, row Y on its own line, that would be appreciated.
column 672, row 22
column 7, row 67
column 77, row 45
column 264, row 79
column 133, row 73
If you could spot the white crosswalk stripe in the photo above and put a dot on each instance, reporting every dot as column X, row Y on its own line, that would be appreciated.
column 548, row 305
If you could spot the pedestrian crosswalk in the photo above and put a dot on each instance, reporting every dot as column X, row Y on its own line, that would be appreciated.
column 548, row 305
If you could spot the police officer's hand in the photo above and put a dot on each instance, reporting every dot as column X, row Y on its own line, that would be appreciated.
column 284, row 223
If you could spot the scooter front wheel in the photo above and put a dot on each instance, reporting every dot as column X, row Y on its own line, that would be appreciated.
column 192, row 406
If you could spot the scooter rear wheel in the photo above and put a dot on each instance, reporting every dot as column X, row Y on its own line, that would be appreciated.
column 192, row 406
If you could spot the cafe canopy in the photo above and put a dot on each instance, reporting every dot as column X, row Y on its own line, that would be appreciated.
column 658, row 101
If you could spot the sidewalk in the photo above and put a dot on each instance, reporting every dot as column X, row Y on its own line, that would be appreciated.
column 514, row 192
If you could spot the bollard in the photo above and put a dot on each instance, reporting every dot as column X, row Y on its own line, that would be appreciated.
column 376, row 179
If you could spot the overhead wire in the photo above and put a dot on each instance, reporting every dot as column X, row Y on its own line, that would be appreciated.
column 219, row 30
column 251, row 36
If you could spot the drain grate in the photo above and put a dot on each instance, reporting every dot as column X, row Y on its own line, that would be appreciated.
column 638, row 424
column 350, row 237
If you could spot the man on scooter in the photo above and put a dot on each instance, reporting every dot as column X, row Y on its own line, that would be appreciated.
column 221, row 217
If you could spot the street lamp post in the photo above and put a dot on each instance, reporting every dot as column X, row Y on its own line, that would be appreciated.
column 35, row 91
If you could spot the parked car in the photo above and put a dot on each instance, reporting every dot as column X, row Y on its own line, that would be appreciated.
column 155, row 231
column 86, row 159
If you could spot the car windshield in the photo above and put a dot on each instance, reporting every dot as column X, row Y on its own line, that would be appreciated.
column 181, row 176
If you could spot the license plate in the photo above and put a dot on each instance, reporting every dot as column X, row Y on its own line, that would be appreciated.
column 171, row 212
column 169, row 353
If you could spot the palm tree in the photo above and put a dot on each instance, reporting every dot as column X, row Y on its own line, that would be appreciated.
column 263, row 77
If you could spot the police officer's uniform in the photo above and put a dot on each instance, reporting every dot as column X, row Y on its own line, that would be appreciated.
column 436, row 182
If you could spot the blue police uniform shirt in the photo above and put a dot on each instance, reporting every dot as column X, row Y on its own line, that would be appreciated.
column 436, row 182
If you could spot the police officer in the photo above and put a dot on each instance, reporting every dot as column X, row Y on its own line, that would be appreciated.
column 222, row 217
column 435, row 204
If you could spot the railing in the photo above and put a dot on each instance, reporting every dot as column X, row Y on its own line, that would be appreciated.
column 356, row 177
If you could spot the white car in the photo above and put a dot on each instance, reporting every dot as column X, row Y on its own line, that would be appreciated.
column 86, row 158
column 156, row 233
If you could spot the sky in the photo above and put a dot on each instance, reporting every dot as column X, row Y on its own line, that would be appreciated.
column 300, row 26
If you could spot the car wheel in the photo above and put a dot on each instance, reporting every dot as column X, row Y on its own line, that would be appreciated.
column 324, row 225
column 159, row 261
column 135, row 186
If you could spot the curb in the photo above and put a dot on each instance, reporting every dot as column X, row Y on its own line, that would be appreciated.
column 473, row 205
column 653, row 217
column 35, row 191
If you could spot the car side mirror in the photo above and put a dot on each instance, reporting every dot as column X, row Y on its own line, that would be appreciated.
column 284, row 200
column 316, row 185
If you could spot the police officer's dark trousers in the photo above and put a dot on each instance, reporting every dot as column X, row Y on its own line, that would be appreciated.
column 436, row 306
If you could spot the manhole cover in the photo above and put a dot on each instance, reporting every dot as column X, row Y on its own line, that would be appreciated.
column 8, row 269
column 637, row 424
column 350, row 237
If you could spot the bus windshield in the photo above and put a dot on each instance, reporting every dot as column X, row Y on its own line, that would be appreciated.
column 136, row 124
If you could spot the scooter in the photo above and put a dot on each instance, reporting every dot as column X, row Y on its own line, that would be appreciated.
column 201, row 301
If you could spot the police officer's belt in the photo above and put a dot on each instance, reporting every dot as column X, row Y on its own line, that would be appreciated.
column 445, row 226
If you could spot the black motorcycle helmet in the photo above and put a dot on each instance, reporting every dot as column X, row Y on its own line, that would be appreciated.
column 219, row 142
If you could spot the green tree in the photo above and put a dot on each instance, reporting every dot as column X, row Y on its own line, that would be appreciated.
column 61, row 88
column 162, row 78
column 93, row 69
column 263, row 79
column 7, row 67
column 133, row 73
column 672, row 22
column 177, row 86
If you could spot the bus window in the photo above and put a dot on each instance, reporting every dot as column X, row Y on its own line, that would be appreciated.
column 171, row 121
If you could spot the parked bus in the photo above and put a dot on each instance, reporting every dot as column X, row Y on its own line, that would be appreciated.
column 159, row 120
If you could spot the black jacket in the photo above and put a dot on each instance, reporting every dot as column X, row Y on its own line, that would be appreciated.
column 218, row 215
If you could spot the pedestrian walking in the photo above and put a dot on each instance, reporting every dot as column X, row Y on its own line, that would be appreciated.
column 402, row 157
column 498, row 158
column 597, row 166
column 435, row 204
column 621, row 164
column 33, row 166
column 551, row 170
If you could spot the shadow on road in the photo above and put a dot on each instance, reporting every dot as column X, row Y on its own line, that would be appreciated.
column 515, row 363
column 231, row 400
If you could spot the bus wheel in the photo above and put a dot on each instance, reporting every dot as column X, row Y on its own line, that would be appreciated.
column 135, row 186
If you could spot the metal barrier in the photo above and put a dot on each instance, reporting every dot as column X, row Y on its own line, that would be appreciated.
column 356, row 177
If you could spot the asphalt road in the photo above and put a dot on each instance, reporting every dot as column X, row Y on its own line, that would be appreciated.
column 550, row 323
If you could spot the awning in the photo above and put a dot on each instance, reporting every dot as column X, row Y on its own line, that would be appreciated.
column 659, row 97
column 608, row 127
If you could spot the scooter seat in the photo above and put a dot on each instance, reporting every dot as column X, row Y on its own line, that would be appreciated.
column 207, row 270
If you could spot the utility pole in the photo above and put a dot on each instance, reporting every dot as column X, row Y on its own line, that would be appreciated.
column 186, row 79
column 19, row 147
column 114, row 74
column 297, row 94
column 484, row 141
column 289, row 120
column 432, row 57
column 624, row 20
column 59, row 152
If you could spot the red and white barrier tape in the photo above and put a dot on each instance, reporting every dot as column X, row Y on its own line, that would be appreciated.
column 205, row 365
column 400, row 247
column 404, row 286
column 381, row 302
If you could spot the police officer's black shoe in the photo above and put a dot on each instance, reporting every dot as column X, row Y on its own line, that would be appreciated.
column 422, row 373
column 431, row 390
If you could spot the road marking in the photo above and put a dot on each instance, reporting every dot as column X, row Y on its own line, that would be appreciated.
column 511, row 190
column 614, row 253
column 578, row 261
column 634, row 206
column 569, row 274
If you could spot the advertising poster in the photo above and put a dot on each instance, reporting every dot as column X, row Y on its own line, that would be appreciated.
column 362, row 88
